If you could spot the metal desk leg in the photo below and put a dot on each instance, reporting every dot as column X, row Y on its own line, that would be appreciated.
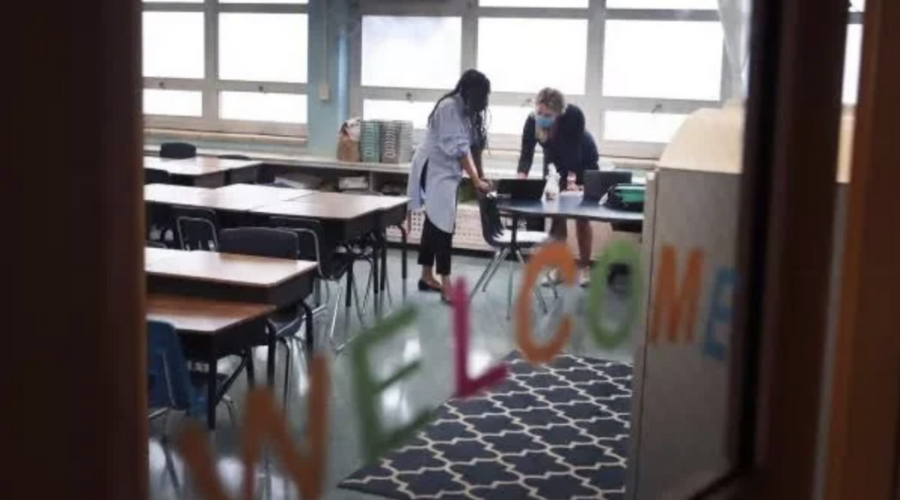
column 514, row 249
column 382, row 235
column 404, row 270
column 211, row 388
column 376, row 261
column 270, row 362
column 310, row 339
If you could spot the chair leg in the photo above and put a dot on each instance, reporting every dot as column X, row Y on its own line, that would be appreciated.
column 361, row 311
column 503, row 255
column 287, row 373
column 251, row 372
column 334, row 314
column 509, row 290
column 484, row 274
column 537, row 290
column 229, row 405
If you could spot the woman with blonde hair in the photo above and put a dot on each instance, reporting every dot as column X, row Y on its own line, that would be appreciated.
column 559, row 128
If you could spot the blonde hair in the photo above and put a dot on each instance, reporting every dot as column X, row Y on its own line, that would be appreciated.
column 551, row 98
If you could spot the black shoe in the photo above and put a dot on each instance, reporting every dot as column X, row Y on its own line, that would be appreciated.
column 426, row 287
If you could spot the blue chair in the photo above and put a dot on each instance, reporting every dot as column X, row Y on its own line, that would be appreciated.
column 171, row 386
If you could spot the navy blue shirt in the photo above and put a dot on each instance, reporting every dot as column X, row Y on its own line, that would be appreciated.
column 570, row 147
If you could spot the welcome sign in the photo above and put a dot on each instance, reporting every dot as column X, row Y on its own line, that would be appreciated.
column 305, row 464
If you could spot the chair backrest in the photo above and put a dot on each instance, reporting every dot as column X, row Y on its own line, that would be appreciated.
column 196, row 228
column 491, row 223
column 260, row 241
column 311, row 237
column 177, row 150
column 169, row 382
column 156, row 176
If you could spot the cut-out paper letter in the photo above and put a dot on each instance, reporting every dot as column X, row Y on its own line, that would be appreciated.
column 555, row 255
column 720, row 313
column 620, row 257
column 671, row 302
column 465, row 386
column 264, row 419
column 376, row 441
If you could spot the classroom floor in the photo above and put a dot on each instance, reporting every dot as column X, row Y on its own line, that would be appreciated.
column 430, row 340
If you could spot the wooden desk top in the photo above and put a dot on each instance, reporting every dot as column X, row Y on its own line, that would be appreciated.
column 235, row 198
column 155, row 162
column 153, row 255
column 254, row 196
column 332, row 206
column 229, row 269
column 170, row 194
column 201, row 165
column 202, row 316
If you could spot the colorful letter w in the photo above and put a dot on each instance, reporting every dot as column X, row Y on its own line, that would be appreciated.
column 265, row 419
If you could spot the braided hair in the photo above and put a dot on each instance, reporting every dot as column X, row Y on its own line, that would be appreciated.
column 474, row 87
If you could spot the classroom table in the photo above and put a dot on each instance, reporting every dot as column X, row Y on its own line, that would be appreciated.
column 153, row 255
column 205, row 171
column 349, row 217
column 210, row 330
column 233, row 198
column 238, row 278
column 566, row 206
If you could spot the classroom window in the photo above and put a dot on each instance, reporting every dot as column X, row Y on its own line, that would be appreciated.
column 173, row 102
column 560, row 45
column 412, row 52
column 263, row 47
column 663, row 59
column 663, row 4
column 852, row 59
column 415, row 111
column 173, row 44
column 556, row 4
column 263, row 107
column 628, row 126
column 509, row 120
column 295, row 2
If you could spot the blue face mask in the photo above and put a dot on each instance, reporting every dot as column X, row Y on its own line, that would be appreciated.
column 544, row 121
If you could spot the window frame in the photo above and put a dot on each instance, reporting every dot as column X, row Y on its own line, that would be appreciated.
column 211, row 85
column 593, row 102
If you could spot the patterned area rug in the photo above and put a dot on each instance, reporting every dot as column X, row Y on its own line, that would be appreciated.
column 554, row 432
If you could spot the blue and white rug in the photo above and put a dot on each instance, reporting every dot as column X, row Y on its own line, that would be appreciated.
column 546, row 433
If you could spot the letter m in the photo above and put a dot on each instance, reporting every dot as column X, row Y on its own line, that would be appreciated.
column 672, row 302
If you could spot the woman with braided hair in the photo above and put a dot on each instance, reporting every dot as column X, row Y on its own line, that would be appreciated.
column 455, row 137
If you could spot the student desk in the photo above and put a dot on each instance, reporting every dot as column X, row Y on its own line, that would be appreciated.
column 565, row 206
column 205, row 171
column 232, row 198
column 238, row 278
column 210, row 330
column 349, row 217
column 153, row 255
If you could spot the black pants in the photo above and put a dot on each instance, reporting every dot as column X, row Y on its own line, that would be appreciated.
column 436, row 248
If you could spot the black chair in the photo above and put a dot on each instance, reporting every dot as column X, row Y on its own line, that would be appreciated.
column 196, row 228
column 277, row 244
column 156, row 176
column 500, row 239
column 334, row 263
column 177, row 150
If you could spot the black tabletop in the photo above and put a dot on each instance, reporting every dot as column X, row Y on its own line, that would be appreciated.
column 569, row 206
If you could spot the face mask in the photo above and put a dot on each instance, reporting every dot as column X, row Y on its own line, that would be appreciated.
column 544, row 121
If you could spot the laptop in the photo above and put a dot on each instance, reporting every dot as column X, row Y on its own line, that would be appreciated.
column 521, row 189
column 598, row 182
